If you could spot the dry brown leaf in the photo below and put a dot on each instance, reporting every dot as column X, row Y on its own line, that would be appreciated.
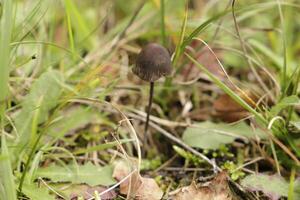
column 205, row 58
column 148, row 190
column 136, row 186
column 193, row 193
column 224, row 103
column 121, row 170
column 131, row 186
column 218, row 189
column 229, row 111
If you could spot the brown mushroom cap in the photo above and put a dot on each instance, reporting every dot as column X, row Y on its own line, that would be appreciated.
column 152, row 63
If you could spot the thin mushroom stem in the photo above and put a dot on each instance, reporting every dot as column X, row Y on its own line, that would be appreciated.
column 148, row 112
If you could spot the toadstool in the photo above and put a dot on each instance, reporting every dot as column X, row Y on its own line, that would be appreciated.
column 152, row 63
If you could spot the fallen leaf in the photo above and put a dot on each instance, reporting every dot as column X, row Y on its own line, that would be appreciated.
column 200, row 114
column 193, row 193
column 148, row 190
column 205, row 58
column 136, row 186
column 121, row 169
column 224, row 103
column 131, row 186
column 217, row 189
column 230, row 111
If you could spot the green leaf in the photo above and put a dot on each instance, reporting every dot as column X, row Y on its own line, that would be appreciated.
column 88, row 173
column 272, row 186
column 46, row 90
column 296, row 125
column 71, row 120
column 36, row 193
column 49, row 86
column 79, row 23
column 284, row 103
column 208, row 135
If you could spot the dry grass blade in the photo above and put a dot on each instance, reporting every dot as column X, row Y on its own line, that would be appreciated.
column 249, row 62
column 91, row 101
column 134, row 134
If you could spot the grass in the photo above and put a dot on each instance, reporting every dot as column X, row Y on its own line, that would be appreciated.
column 76, row 101
column 163, row 31
column 284, row 65
column 5, row 37
column 8, row 190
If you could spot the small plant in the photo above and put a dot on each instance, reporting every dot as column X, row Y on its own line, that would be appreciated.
column 189, row 157
column 234, row 171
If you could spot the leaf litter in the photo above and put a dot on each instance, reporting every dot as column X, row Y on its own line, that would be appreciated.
column 217, row 189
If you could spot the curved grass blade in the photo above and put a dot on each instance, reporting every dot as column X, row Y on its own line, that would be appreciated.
column 5, row 38
column 7, row 178
column 201, row 28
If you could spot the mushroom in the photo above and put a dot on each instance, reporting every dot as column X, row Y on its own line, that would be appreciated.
column 152, row 63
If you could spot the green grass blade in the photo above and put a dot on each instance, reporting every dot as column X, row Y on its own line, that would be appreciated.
column 35, row 12
column 178, row 46
column 292, row 185
column 240, row 101
column 264, row 50
column 201, row 28
column 283, row 35
column 70, row 31
column 294, row 80
column 78, row 21
column 102, row 147
column 162, row 22
column 7, row 178
column 5, row 37
column 228, row 91
column 35, row 122
column 182, row 34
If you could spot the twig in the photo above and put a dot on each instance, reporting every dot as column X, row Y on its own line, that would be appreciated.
column 114, row 186
column 178, row 141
